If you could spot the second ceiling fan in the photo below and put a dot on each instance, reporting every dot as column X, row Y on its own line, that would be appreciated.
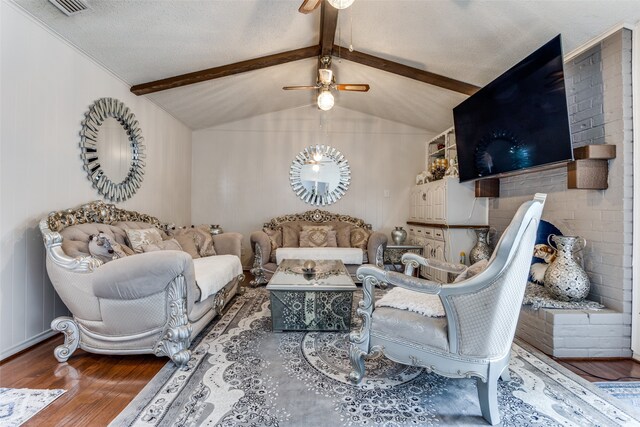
column 326, row 81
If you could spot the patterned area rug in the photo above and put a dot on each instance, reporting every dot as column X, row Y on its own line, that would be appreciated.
column 242, row 374
column 627, row 391
column 17, row 405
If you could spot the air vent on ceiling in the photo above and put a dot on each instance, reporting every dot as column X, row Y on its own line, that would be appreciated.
column 70, row 7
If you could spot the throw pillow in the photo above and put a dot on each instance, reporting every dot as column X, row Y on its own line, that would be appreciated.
column 290, row 236
column 204, row 240
column 102, row 247
column 187, row 243
column 144, row 236
column 200, row 236
column 165, row 245
column 472, row 270
column 275, row 237
column 343, row 234
column 360, row 238
column 318, row 237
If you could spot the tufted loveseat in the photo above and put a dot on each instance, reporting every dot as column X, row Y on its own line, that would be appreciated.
column 151, row 302
column 279, row 238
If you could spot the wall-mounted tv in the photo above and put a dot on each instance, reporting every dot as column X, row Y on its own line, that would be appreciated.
column 518, row 121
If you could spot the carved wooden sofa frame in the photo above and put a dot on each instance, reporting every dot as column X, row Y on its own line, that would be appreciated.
column 263, row 269
column 137, row 315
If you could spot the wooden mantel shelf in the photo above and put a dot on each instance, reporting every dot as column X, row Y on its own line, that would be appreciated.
column 589, row 171
column 440, row 225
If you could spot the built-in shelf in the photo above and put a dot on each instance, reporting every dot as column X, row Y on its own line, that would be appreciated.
column 589, row 171
column 433, row 224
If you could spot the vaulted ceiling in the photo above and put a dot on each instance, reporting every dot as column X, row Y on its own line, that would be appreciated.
column 473, row 41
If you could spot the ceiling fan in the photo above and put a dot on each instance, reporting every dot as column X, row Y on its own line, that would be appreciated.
column 309, row 6
column 326, row 82
column 324, row 49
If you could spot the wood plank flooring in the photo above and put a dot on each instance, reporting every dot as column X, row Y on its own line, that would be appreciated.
column 99, row 387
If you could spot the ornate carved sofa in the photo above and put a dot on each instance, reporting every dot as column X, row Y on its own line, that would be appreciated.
column 356, row 244
column 151, row 302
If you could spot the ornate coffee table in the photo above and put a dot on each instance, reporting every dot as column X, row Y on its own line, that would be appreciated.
column 321, row 302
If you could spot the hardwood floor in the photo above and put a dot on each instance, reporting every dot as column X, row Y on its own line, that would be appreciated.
column 99, row 387
column 603, row 370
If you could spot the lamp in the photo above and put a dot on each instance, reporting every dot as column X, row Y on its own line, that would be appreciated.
column 325, row 100
column 340, row 4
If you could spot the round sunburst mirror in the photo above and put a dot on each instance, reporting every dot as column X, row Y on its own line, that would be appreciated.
column 112, row 149
column 320, row 175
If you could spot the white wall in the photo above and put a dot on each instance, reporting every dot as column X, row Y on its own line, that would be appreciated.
column 46, row 86
column 603, row 217
column 241, row 170
column 635, row 63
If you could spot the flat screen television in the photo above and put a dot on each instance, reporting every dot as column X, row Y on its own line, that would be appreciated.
column 517, row 122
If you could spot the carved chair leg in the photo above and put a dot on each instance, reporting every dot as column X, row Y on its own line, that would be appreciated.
column 488, row 396
column 240, row 284
column 176, row 336
column 69, row 328
column 357, row 363
column 257, row 270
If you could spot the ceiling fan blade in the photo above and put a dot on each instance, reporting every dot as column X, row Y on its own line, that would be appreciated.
column 353, row 87
column 300, row 87
column 308, row 6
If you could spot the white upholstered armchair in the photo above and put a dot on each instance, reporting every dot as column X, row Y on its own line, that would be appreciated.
column 475, row 336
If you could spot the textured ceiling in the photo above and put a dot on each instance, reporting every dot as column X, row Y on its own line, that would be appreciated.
column 470, row 40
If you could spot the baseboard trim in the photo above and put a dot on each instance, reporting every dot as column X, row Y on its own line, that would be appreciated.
column 28, row 343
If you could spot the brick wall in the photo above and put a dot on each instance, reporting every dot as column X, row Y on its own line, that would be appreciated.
column 600, row 107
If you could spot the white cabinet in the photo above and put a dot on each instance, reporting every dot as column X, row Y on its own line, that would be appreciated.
column 447, row 201
column 444, row 212
column 441, row 243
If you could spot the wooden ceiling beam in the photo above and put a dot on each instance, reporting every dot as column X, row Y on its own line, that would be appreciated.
column 328, row 25
column 406, row 71
column 226, row 70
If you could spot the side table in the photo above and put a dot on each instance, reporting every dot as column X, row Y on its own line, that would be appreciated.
column 393, row 255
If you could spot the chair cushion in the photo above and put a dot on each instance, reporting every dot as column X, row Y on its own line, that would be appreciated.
column 404, row 325
column 418, row 302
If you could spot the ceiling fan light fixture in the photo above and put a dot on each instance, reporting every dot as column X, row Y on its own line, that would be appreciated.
column 341, row 4
column 325, row 100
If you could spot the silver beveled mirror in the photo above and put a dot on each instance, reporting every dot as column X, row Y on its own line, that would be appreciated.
column 320, row 175
column 112, row 149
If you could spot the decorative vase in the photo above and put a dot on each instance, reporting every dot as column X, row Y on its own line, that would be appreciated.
column 565, row 279
column 399, row 235
column 481, row 250
column 215, row 229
